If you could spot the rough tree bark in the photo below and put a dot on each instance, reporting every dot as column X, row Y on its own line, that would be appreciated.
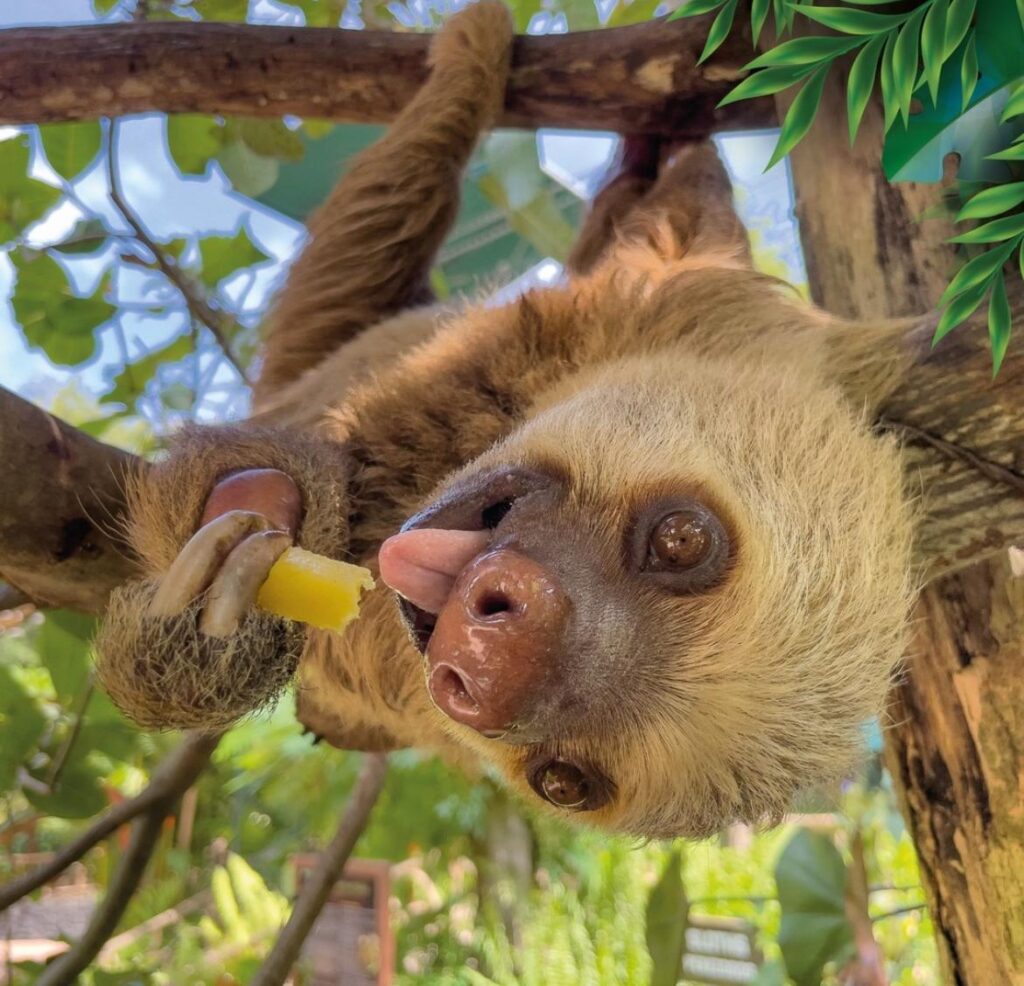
column 956, row 740
column 641, row 79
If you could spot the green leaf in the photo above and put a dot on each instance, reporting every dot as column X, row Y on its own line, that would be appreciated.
column 71, row 147
column 861, row 82
column 804, row 51
column 719, row 30
column 1014, row 105
column 23, row 199
column 695, row 7
column 969, row 71
column 758, row 15
column 811, row 880
column 958, row 310
column 51, row 316
column 87, row 236
column 178, row 397
column 976, row 272
column 78, row 794
column 993, row 232
column 249, row 173
column 1013, row 153
column 904, row 60
column 270, row 138
column 130, row 383
column 223, row 255
column 852, row 21
column 666, row 923
column 887, row 80
column 933, row 45
column 222, row 10
column 998, row 323
column 800, row 116
column 193, row 140
column 993, row 201
column 63, row 646
column 21, row 725
column 105, row 6
column 958, row 22
column 767, row 81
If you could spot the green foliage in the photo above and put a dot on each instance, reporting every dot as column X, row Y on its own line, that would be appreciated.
column 811, row 880
column 223, row 256
column 71, row 147
column 23, row 199
column 51, row 315
column 666, row 923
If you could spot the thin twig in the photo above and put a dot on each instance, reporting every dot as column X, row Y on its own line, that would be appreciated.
column 909, row 909
column 218, row 322
column 169, row 781
column 317, row 889
column 61, row 760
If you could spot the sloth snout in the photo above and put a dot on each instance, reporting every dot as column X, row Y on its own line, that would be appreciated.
column 494, row 653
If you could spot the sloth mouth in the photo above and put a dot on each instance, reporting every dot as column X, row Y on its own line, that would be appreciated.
column 419, row 623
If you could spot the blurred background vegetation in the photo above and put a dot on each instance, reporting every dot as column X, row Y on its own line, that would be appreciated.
column 129, row 316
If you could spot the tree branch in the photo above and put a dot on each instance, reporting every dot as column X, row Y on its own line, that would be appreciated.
column 636, row 79
column 219, row 322
column 169, row 781
column 317, row 889
column 61, row 503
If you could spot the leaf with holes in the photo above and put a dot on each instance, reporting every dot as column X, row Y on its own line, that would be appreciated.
column 70, row 147
column 52, row 317
column 811, row 880
column 800, row 116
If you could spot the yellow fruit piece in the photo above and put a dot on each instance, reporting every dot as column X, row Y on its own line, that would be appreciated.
column 313, row 589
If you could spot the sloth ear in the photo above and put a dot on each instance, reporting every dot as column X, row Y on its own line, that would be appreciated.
column 869, row 359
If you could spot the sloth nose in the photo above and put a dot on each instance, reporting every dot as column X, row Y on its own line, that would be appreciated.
column 494, row 650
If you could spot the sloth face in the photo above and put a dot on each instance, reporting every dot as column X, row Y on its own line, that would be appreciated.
column 668, row 600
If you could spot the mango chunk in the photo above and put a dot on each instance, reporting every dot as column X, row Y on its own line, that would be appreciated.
column 312, row 589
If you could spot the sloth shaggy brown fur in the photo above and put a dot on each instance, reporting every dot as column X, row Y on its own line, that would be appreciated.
column 662, row 363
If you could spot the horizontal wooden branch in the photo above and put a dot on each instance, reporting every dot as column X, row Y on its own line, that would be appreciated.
column 61, row 500
column 643, row 78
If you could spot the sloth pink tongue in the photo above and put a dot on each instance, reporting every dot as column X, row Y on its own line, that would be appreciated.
column 422, row 565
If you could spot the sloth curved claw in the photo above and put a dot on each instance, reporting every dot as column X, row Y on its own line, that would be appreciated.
column 237, row 584
column 199, row 561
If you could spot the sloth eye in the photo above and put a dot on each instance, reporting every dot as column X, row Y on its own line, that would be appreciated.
column 569, row 786
column 682, row 545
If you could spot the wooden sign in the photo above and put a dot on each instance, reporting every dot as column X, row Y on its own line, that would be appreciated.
column 720, row 951
column 351, row 943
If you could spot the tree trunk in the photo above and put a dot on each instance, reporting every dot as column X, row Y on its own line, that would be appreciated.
column 955, row 744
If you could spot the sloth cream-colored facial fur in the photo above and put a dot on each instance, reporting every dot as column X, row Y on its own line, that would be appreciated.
column 639, row 547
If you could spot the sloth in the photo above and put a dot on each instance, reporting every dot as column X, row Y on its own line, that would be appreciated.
column 640, row 551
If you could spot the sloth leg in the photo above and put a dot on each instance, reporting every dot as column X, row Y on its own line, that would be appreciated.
column 373, row 242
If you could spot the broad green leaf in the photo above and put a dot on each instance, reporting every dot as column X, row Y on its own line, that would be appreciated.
column 63, row 646
column 800, row 116
column 193, row 140
column 130, row 383
column 1020, row 11
column 1014, row 153
column 317, row 129
column 222, row 10
column 758, row 15
column 70, row 147
column 105, row 6
column 976, row 272
column 993, row 232
column 631, row 12
column 23, row 199
column 852, row 21
column 998, row 323
column 958, row 310
column 904, row 60
column 666, row 923
column 51, row 316
column 811, row 880
column 249, row 173
column 969, row 72
column 958, row 21
column 933, row 45
column 861, row 82
column 993, row 201
column 695, row 7
column 270, row 138
column 21, row 725
column 1014, row 105
column 719, row 30
column 86, row 236
column 804, row 51
column 223, row 255
column 887, row 80
column 77, row 794
column 766, row 81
